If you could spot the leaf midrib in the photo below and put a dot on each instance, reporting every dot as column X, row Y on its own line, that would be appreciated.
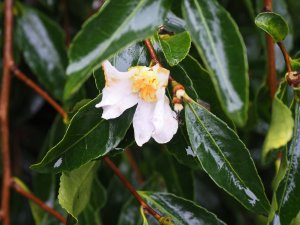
column 111, row 37
column 226, row 161
column 211, row 39
column 81, row 138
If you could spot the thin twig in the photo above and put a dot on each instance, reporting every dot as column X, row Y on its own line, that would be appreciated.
column 131, row 188
column 134, row 166
column 285, row 56
column 272, row 82
column 153, row 54
column 37, row 201
column 4, row 108
column 152, row 51
column 40, row 91
column 268, row 5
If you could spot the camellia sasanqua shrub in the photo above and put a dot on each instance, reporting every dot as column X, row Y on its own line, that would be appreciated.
column 171, row 112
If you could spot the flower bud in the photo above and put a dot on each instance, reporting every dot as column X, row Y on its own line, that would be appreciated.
column 180, row 93
column 178, row 107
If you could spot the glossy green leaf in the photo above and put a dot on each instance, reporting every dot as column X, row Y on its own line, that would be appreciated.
column 180, row 148
column 225, row 158
column 222, row 50
column 288, row 194
column 88, row 137
column 173, row 23
column 76, row 188
column 179, row 210
column 198, row 85
column 281, row 127
column 274, row 24
column 44, row 49
column 175, row 47
column 117, row 24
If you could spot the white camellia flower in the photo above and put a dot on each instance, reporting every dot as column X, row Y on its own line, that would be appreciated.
column 145, row 86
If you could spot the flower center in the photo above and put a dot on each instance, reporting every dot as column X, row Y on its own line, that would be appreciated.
column 145, row 83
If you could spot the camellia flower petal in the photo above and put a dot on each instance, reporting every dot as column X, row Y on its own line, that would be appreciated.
column 117, row 94
column 146, row 87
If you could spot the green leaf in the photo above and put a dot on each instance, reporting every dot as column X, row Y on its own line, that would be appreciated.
column 289, row 189
column 76, row 188
column 176, row 47
column 281, row 127
column 295, row 63
column 179, row 210
column 296, row 220
column 116, row 25
column 225, row 158
column 44, row 50
column 173, row 23
column 274, row 24
column 88, row 137
column 198, row 85
column 223, row 52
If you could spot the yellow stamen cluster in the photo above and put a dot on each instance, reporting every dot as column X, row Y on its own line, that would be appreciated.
column 145, row 83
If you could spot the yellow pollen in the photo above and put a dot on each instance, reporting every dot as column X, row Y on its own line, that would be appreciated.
column 145, row 83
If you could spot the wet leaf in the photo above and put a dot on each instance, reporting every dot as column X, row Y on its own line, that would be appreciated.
column 274, row 24
column 88, row 137
column 178, row 210
column 289, row 189
column 114, row 26
column 213, row 31
column 176, row 47
column 43, row 44
column 225, row 158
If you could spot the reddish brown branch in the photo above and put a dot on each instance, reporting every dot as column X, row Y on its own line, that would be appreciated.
column 152, row 52
column 4, row 110
column 272, row 81
column 134, row 166
column 37, row 201
column 268, row 5
column 285, row 56
column 40, row 91
column 131, row 188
